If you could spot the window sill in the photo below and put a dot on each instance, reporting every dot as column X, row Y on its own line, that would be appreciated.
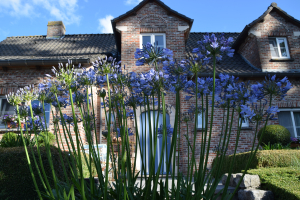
column 282, row 59
column 200, row 129
column 246, row 128
column 10, row 129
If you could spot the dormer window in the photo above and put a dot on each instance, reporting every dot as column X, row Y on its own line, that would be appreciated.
column 158, row 39
column 279, row 47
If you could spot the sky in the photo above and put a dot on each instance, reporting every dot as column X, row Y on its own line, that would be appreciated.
column 30, row 17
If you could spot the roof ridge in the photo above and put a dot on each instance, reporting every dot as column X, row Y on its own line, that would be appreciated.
column 28, row 36
column 40, row 36
column 213, row 32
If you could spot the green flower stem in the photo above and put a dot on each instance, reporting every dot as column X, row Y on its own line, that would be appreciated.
column 78, row 146
column 27, row 156
column 40, row 158
column 252, row 154
column 163, row 148
column 108, row 141
column 194, row 143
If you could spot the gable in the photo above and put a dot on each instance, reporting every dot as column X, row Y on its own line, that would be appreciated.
column 272, row 9
column 150, row 16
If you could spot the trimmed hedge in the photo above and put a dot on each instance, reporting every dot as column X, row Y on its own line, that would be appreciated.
column 283, row 182
column 15, row 178
column 265, row 158
column 275, row 134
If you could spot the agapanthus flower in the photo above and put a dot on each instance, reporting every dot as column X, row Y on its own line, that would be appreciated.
column 37, row 109
column 213, row 45
column 150, row 54
column 169, row 131
column 246, row 112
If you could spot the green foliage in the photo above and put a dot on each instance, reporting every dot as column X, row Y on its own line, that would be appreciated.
column 277, row 146
column 85, row 166
column 15, row 179
column 262, row 159
column 275, row 134
column 11, row 139
column 283, row 182
column 46, row 135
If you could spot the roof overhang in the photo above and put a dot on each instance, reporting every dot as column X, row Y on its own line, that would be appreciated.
column 41, row 62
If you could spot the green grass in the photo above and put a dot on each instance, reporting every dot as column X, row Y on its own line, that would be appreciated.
column 283, row 182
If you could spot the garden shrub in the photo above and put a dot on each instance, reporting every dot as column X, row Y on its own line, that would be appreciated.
column 283, row 182
column 15, row 179
column 262, row 159
column 42, row 136
column 9, row 139
column 275, row 134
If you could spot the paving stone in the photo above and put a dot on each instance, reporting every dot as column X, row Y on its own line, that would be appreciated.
column 254, row 194
column 249, row 181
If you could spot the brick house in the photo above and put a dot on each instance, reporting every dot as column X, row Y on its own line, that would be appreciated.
column 268, row 45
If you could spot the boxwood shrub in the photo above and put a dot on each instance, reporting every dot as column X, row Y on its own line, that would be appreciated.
column 15, row 179
column 275, row 134
column 283, row 182
column 262, row 159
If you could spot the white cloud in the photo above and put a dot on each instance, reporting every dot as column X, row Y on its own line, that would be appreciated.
column 132, row 2
column 16, row 8
column 105, row 24
column 65, row 10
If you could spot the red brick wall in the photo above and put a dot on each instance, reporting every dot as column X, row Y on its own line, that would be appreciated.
column 150, row 19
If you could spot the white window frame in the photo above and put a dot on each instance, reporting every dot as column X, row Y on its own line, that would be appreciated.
column 244, row 124
column 1, row 98
column 152, row 38
column 291, row 110
column 278, row 47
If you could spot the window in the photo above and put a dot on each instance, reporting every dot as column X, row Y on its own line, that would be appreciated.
column 6, row 109
column 279, row 47
column 47, row 110
column 201, row 123
column 290, row 119
column 158, row 39
column 245, row 122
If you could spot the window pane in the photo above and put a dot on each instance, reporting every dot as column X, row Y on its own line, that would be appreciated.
column 282, row 47
column 159, row 40
column 297, row 122
column 273, row 47
column 7, row 108
column 285, row 120
column 146, row 39
column 200, row 124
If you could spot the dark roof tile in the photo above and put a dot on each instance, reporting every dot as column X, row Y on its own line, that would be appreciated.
column 71, row 46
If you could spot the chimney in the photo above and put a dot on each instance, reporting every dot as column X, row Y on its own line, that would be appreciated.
column 55, row 30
